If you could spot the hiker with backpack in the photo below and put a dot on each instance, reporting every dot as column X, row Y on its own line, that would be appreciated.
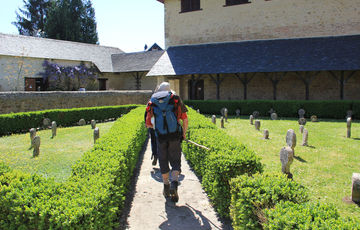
column 167, row 110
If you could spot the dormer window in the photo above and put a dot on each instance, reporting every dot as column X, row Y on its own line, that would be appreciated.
column 190, row 5
column 235, row 2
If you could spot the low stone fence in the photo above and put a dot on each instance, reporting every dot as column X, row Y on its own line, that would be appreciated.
column 14, row 102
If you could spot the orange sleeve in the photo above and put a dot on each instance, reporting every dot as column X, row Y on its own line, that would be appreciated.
column 180, row 114
column 149, row 115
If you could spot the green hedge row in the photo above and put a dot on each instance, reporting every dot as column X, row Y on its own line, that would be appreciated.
column 93, row 195
column 22, row 122
column 322, row 109
column 226, row 159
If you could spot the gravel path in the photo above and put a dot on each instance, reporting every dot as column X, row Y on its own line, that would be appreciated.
column 148, row 209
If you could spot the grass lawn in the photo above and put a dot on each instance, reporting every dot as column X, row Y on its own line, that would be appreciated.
column 56, row 155
column 325, row 167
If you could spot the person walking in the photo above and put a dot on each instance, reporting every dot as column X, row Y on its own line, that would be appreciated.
column 167, row 109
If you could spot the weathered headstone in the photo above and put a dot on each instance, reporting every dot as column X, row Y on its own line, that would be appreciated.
column 286, row 158
column 226, row 114
column 266, row 134
column 301, row 113
column 93, row 124
column 349, row 113
column 271, row 111
column 222, row 111
column 198, row 110
column 222, row 122
column 96, row 134
column 237, row 112
column 314, row 118
column 256, row 114
column 213, row 119
column 348, row 125
column 301, row 128
column 291, row 138
column 32, row 135
column 355, row 191
column 302, row 121
column 53, row 129
column 36, row 144
column 82, row 122
column 305, row 137
column 251, row 119
column 274, row 116
column 257, row 124
column 46, row 122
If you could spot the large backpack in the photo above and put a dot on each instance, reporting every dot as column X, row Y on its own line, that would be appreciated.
column 166, row 124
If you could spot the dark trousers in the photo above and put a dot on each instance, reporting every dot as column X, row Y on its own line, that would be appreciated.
column 169, row 152
column 154, row 148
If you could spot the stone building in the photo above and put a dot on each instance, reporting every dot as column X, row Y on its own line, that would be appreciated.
column 262, row 49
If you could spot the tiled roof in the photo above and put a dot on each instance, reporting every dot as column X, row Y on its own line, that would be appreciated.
column 278, row 55
column 139, row 61
column 18, row 45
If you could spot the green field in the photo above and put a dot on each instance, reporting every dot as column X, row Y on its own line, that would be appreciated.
column 325, row 167
column 57, row 155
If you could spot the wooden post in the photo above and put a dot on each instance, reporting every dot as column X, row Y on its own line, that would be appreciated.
column 245, row 81
column 218, row 82
column 342, row 80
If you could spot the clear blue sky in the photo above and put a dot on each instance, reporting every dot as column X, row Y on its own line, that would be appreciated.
column 126, row 24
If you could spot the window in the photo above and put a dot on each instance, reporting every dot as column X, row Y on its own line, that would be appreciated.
column 190, row 5
column 236, row 2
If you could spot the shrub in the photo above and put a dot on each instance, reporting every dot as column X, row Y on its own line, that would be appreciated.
column 288, row 215
column 250, row 195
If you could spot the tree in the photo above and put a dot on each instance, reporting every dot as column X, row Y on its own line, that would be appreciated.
column 72, row 20
column 31, row 19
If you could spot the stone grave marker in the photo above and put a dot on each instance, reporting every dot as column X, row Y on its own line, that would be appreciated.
column 266, row 134
column 301, row 128
column 291, row 138
column 226, row 114
column 96, row 134
column 222, row 111
column 349, row 113
column 301, row 113
column 302, row 121
column 222, row 122
column 305, row 137
column 355, row 191
column 348, row 125
column 36, row 144
column 93, row 124
column 286, row 158
column 46, row 122
column 274, row 116
column 257, row 125
column 82, row 122
column 251, row 119
column 53, row 129
column 256, row 114
column 32, row 135
column 271, row 111
column 237, row 112
column 198, row 110
column 314, row 118
column 213, row 119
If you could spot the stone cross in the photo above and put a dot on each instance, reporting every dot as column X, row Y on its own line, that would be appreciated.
column 237, row 112
column 226, row 114
column 274, row 116
column 82, row 122
column 305, row 138
column 286, row 158
column 256, row 114
column 251, row 119
column 93, row 124
column 348, row 124
column 46, row 122
column 302, row 121
column 301, row 128
column 53, row 129
column 257, row 124
column 96, row 134
column 36, row 144
column 291, row 138
column 222, row 122
column 301, row 113
column 213, row 119
column 314, row 118
column 266, row 134
column 355, row 191
column 32, row 135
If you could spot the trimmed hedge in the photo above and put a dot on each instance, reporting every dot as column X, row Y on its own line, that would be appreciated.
column 226, row 159
column 22, row 122
column 250, row 195
column 286, row 108
column 288, row 215
column 94, row 194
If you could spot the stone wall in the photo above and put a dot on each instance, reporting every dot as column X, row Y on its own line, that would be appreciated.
column 13, row 102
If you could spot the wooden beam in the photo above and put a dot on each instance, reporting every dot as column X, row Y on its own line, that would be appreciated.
column 245, row 81
column 218, row 80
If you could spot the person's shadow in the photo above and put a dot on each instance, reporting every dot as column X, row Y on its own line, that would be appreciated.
column 184, row 217
column 156, row 175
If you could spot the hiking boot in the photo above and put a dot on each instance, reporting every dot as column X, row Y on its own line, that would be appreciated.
column 174, row 191
column 154, row 160
column 166, row 191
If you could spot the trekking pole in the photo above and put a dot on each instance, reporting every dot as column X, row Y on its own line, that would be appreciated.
column 197, row 145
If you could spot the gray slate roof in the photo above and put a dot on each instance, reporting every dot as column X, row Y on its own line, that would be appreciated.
column 132, row 62
column 278, row 55
column 18, row 45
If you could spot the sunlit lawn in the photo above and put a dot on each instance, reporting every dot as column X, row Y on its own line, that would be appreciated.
column 325, row 167
column 56, row 155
